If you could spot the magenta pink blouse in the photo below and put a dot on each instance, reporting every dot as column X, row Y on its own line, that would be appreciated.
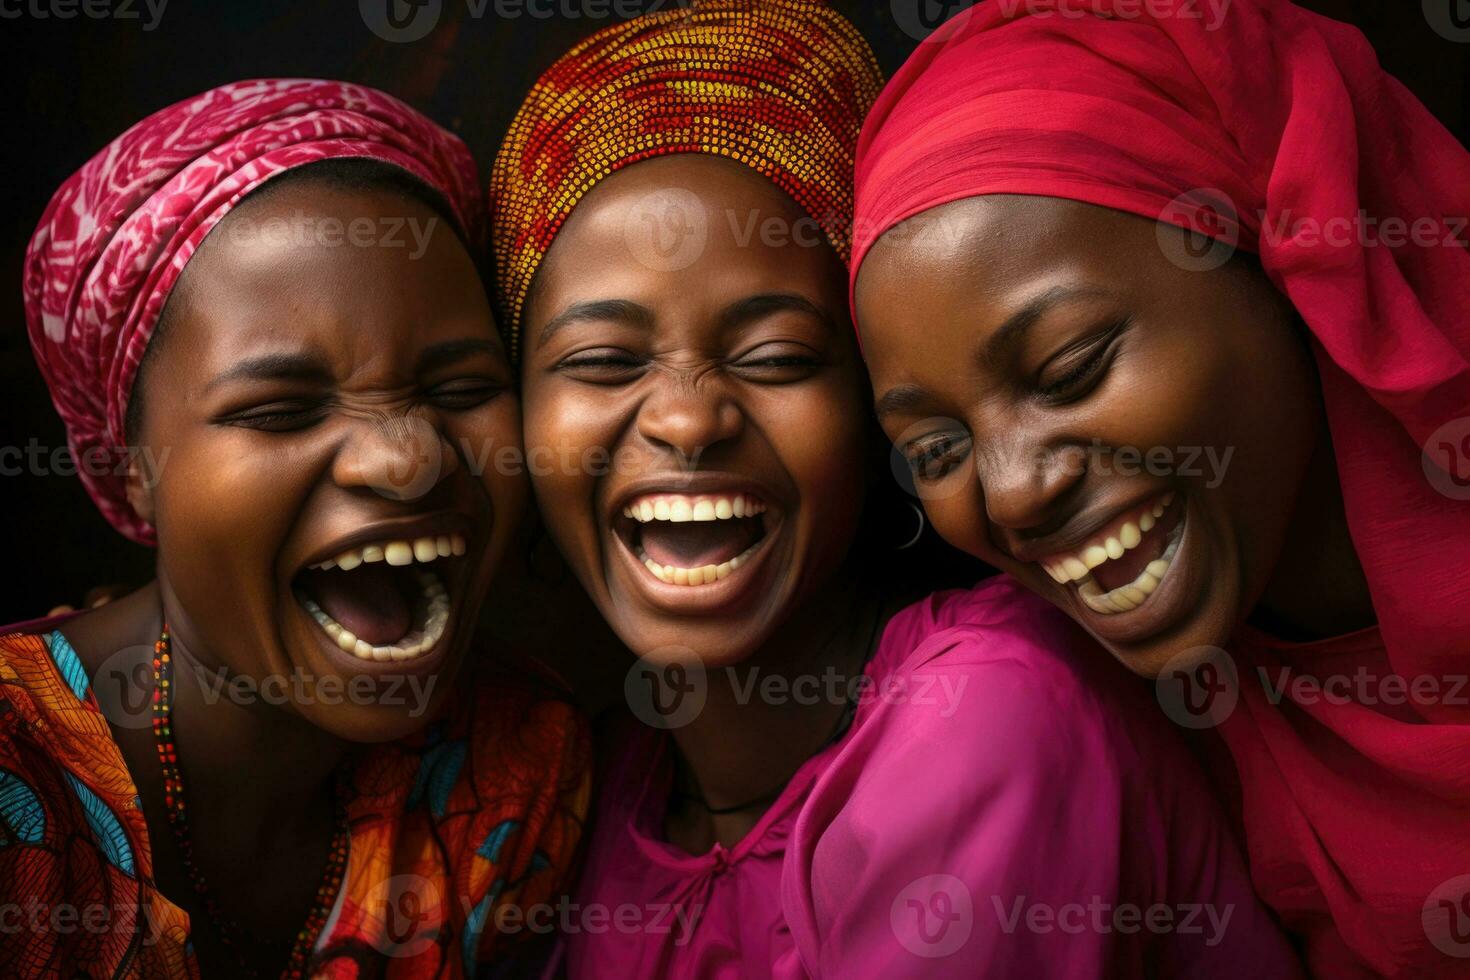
column 1007, row 802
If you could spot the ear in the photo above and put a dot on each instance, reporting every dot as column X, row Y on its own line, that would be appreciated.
column 142, row 478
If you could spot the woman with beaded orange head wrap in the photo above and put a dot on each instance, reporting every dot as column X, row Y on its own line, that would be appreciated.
column 814, row 771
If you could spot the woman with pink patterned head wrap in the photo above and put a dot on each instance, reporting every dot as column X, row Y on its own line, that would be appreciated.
column 260, row 316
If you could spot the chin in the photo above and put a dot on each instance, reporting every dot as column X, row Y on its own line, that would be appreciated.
column 414, row 705
column 1166, row 589
column 711, row 645
column 369, row 703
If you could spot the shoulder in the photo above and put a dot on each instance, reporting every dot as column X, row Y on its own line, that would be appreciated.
column 40, row 672
column 1020, row 660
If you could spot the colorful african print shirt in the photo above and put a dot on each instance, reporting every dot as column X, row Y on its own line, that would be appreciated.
column 482, row 812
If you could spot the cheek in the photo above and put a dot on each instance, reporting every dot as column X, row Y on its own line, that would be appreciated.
column 956, row 511
column 1162, row 396
column 488, row 442
column 225, row 505
column 219, row 482
column 820, row 436
column 571, row 442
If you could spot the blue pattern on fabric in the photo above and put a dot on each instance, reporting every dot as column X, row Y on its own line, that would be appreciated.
column 106, row 828
column 68, row 664
column 21, row 808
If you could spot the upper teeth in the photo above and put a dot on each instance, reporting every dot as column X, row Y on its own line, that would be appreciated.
column 680, row 507
column 402, row 552
column 1109, row 545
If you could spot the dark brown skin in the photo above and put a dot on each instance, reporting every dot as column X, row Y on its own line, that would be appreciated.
column 262, row 474
column 695, row 383
column 1143, row 354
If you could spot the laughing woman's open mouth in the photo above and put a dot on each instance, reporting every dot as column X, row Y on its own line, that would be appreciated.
column 701, row 545
column 385, row 600
column 1127, row 563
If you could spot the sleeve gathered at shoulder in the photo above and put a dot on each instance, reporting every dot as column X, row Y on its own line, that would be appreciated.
column 973, row 788
column 985, row 818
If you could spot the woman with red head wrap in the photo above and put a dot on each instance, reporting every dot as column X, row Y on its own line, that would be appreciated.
column 1092, row 232
column 259, row 315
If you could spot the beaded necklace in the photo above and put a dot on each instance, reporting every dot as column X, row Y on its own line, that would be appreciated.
column 225, row 928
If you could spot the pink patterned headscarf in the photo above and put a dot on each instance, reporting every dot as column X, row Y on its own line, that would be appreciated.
column 118, row 233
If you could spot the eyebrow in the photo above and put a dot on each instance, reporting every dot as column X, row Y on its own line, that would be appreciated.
column 752, row 308
column 306, row 367
column 274, row 367
column 448, row 351
column 1009, row 334
column 903, row 398
column 606, row 310
column 911, row 397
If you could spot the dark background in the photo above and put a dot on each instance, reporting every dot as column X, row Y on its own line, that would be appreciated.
column 73, row 84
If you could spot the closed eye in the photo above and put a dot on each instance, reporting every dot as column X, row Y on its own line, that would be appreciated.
column 777, row 363
column 1079, row 364
column 602, row 365
column 277, row 416
column 462, row 394
column 934, row 457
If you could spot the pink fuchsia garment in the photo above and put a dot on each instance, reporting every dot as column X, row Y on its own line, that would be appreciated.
column 1355, row 815
column 997, row 746
column 118, row 233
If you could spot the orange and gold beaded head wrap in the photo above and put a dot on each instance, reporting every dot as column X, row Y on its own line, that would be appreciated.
column 781, row 86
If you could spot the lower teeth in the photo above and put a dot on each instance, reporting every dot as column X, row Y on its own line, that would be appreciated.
column 703, row 575
column 1135, row 593
column 429, row 629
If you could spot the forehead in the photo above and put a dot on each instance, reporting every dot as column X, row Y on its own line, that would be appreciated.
column 999, row 239
column 969, row 263
column 322, row 266
column 661, row 224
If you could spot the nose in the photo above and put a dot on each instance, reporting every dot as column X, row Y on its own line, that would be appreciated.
column 689, row 416
column 401, row 457
column 1024, row 480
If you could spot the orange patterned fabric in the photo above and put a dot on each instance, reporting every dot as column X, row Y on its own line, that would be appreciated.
column 480, row 812
column 781, row 86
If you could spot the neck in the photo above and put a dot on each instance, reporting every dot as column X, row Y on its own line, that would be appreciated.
column 255, row 770
column 767, row 714
column 248, row 766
